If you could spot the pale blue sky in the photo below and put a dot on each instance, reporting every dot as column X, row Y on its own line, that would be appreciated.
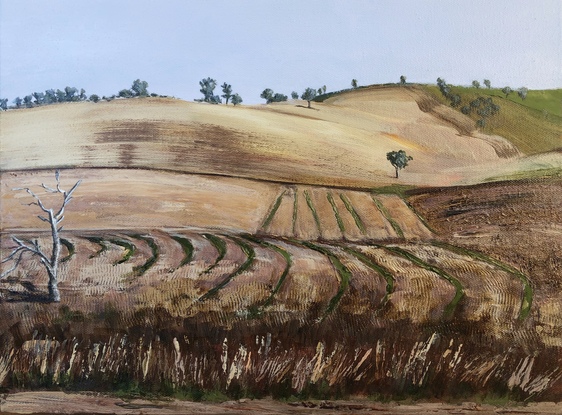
column 286, row 45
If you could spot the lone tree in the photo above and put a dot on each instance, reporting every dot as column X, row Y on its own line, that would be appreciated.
column 399, row 159
column 308, row 95
column 522, row 92
column 487, row 83
column 402, row 80
column 476, row 84
column 54, row 217
column 354, row 83
column 507, row 90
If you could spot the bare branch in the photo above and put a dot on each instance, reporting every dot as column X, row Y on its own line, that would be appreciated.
column 48, row 189
column 14, row 252
column 44, row 219
column 60, row 229
column 16, row 263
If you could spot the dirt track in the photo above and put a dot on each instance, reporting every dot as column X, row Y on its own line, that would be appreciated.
column 92, row 403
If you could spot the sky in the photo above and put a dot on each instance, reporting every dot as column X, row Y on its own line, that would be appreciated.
column 286, row 45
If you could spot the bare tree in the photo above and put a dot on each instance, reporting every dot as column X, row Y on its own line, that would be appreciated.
column 53, row 217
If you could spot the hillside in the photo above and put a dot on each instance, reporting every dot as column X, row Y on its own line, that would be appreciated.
column 341, row 142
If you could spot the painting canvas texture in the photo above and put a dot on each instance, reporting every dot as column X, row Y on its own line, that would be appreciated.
column 327, row 235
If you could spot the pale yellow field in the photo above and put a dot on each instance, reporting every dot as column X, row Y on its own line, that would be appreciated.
column 343, row 141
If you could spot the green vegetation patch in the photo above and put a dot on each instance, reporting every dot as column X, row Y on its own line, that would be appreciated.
column 386, row 274
column 459, row 292
column 295, row 210
column 387, row 216
column 343, row 273
column 219, row 245
column 129, row 249
column 141, row 269
column 395, row 189
column 546, row 173
column 527, row 300
column 336, row 212
column 100, row 241
column 313, row 210
column 353, row 212
column 69, row 247
column 288, row 263
column 187, row 247
column 533, row 125
column 250, row 255
column 273, row 210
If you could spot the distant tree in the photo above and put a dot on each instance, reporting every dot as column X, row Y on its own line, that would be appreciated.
column 208, row 86
column 61, row 96
column 476, row 84
column 324, row 89
column 94, row 98
column 354, row 83
column 319, row 91
column 126, row 93
column 4, row 104
column 83, row 96
column 227, row 92
column 39, row 97
column 444, row 87
column 507, row 90
column 54, row 217
column 279, row 97
column 522, row 92
column 466, row 110
column 308, row 95
column 399, row 159
column 71, row 94
column 270, row 96
column 481, row 123
column 402, row 80
column 487, row 83
column 139, row 88
column 455, row 100
column 28, row 101
column 50, row 96
column 17, row 101
column 236, row 99
column 267, row 94
column 295, row 95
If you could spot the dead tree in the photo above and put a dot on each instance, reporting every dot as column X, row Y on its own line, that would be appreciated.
column 53, row 217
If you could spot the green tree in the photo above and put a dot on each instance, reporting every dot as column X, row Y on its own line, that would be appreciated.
column 236, row 99
column 208, row 86
column 402, row 80
column 17, row 101
column 399, row 159
column 507, row 90
column 294, row 95
column 522, row 92
column 227, row 92
column 270, row 96
column 475, row 84
column 487, row 83
column 94, row 98
column 27, row 100
column 4, row 104
column 140, row 88
column 308, row 95
column 354, row 83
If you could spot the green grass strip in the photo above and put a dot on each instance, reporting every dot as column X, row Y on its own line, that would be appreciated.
column 288, row 264
column 295, row 210
column 219, row 245
column 69, row 247
column 141, row 269
column 100, row 242
column 129, row 249
column 353, row 212
column 459, row 292
column 386, row 274
column 187, row 247
column 387, row 216
column 273, row 210
column 527, row 300
column 344, row 275
column 336, row 213
column 313, row 210
column 250, row 255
